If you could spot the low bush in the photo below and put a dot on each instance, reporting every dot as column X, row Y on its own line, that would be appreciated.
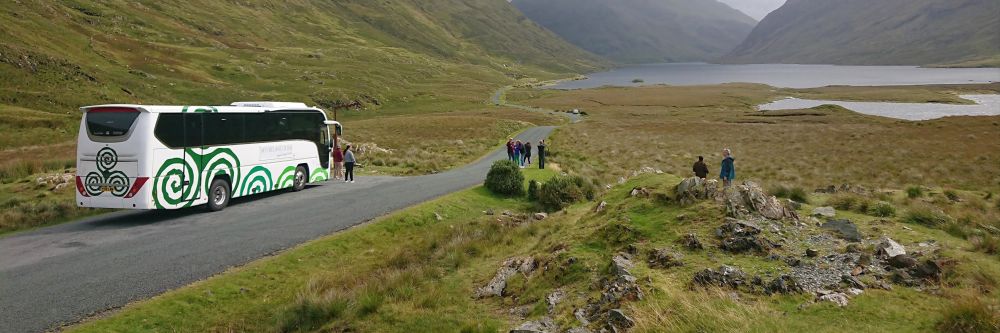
column 927, row 216
column 882, row 209
column 914, row 192
column 794, row 193
column 849, row 202
column 532, row 190
column 563, row 191
column 969, row 314
column 505, row 178
column 987, row 243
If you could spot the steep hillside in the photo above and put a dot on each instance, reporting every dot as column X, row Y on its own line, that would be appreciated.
column 56, row 56
column 883, row 32
column 644, row 31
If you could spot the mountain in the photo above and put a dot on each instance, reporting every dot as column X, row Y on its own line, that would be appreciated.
column 58, row 55
column 644, row 31
column 875, row 32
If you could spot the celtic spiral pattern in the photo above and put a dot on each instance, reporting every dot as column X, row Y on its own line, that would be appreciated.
column 286, row 179
column 117, row 181
column 319, row 175
column 219, row 162
column 258, row 180
column 169, row 190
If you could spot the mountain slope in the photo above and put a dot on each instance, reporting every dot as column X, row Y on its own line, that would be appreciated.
column 56, row 56
column 644, row 31
column 883, row 32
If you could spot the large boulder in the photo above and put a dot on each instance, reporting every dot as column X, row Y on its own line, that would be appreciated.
column 740, row 236
column 748, row 201
column 888, row 248
column 824, row 212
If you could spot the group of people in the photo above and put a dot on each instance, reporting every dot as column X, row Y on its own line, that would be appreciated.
column 520, row 152
column 343, row 160
column 728, row 172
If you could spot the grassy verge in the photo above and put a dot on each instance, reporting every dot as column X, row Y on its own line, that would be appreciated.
column 412, row 272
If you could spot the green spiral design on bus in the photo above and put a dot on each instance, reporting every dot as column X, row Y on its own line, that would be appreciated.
column 169, row 190
column 258, row 180
column 199, row 109
column 319, row 175
column 221, row 161
column 286, row 179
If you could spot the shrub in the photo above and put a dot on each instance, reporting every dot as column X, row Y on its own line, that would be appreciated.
column 952, row 195
column 532, row 190
column 505, row 178
column 927, row 216
column 969, row 314
column 563, row 191
column 796, row 194
column 883, row 209
column 849, row 202
column 987, row 243
column 914, row 192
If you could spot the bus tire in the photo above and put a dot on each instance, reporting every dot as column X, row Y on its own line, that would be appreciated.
column 218, row 195
column 301, row 178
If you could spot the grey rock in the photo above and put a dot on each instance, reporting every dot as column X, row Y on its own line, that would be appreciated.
column 579, row 330
column 888, row 248
column 600, row 207
column 619, row 319
column 511, row 266
column 725, row 276
column 581, row 315
column 837, row 298
column 621, row 265
column 541, row 216
column 665, row 258
column 438, row 217
column 824, row 212
column 844, row 229
column 544, row 325
column 691, row 242
column 812, row 253
column 902, row 261
column 750, row 201
column 853, row 281
column 554, row 299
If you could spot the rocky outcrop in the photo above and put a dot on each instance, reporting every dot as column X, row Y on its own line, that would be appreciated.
column 544, row 325
column 888, row 248
column 844, row 229
column 665, row 258
column 496, row 286
column 694, row 189
column 824, row 212
column 740, row 236
column 725, row 276
column 691, row 242
column 749, row 201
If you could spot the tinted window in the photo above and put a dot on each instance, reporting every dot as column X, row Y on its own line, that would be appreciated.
column 223, row 129
column 192, row 129
column 170, row 129
column 110, row 122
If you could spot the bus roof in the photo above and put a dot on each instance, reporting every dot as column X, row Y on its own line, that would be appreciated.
column 245, row 107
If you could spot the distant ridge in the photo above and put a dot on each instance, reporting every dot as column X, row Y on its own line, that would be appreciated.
column 875, row 32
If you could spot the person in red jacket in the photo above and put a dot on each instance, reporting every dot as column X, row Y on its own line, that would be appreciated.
column 338, row 162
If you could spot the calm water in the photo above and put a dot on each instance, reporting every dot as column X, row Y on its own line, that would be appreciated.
column 787, row 76
column 986, row 105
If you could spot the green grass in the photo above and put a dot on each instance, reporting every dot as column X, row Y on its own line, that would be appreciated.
column 395, row 273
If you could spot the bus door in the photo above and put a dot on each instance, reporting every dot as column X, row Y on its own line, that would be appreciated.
column 194, row 133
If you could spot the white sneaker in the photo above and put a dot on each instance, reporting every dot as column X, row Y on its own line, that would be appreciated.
column 352, row 182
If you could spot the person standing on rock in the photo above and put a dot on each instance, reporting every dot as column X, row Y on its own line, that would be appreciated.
column 541, row 154
column 700, row 169
column 527, row 153
column 510, row 149
column 349, row 165
column 338, row 162
column 728, row 172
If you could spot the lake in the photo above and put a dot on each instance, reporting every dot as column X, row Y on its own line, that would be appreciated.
column 986, row 105
column 786, row 76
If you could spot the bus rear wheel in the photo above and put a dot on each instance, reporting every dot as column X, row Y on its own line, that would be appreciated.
column 301, row 177
column 218, row 195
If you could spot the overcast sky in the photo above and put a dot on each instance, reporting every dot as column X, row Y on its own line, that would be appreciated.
column 755, row 8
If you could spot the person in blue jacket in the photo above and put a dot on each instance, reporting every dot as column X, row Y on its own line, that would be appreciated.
column 728, row 172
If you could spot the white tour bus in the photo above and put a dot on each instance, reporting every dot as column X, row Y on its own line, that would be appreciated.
column 169, row 157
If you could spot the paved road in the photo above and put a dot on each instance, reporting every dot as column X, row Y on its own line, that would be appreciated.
column 64, row 273
column 499, row 99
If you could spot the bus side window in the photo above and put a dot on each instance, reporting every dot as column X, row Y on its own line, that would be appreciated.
column 170, row 129
column 193, row 130
column 223, row 129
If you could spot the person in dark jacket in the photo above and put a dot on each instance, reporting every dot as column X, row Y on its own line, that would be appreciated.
column 541, row 154
column 527, row 153
column 728, row 172
column 349, row 164
column 510, row 149
column 700, row 169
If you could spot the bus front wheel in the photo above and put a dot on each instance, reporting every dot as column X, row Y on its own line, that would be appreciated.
column 218, row 195
column 301, row 177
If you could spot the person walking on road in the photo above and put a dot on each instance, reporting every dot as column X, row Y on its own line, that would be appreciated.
column 527, row 153
column 518, row 149
column 349, row 162
column 510, row 149
column 728, row 172
column 338, row 162
column 700, row 169
column 541, row 154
